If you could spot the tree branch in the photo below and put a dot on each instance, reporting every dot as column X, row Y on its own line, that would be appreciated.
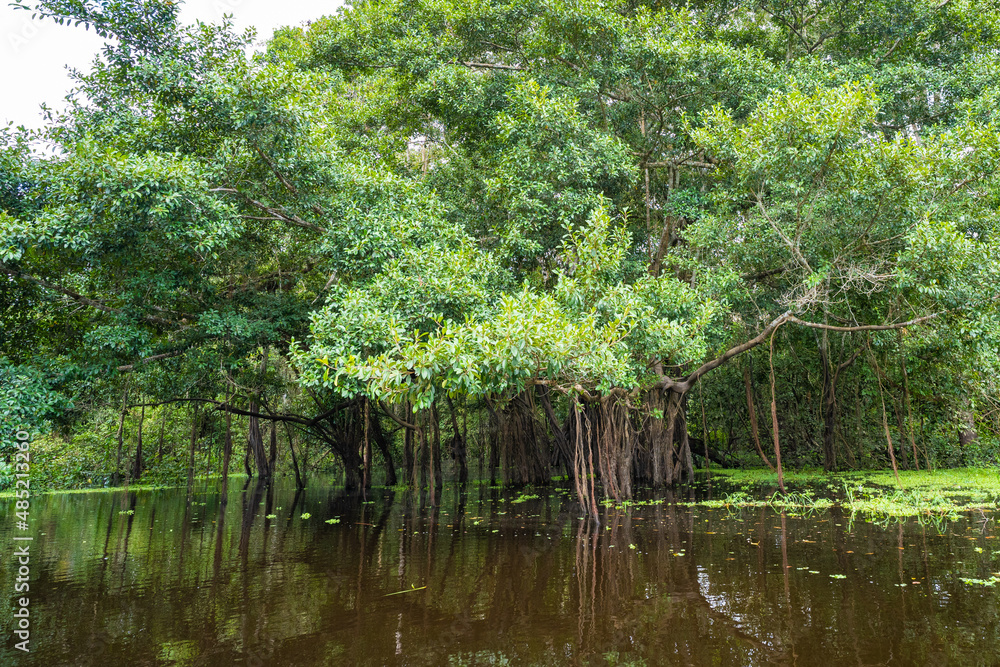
column 689, row 381
column 79, row 298
column 473, row 65
column 393, row 417
column 277, row 213
column 867, row 327
column 148, row 360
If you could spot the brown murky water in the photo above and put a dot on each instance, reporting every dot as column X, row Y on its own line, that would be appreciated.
column 484, row 580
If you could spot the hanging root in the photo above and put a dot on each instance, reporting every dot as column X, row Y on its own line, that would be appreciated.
column 518, row 442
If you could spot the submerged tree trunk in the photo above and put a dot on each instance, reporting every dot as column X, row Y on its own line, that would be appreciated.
column 686, row 458
column 299, row 483
column 255, row 444
column 273, row 454
column 255, row 439
column 516, row 442
column 425, row 454
column 408, row 454
column 227, row 448
column 492, row 443
column 382, row 442
column 458, row 446
column 583, row 460
column 366, row 445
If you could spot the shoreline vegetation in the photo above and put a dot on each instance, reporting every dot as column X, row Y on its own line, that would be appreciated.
column 605, row 241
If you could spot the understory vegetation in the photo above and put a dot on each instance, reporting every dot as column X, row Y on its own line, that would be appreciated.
column 606, row 241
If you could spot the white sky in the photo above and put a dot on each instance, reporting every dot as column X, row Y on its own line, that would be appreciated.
column 34, row 54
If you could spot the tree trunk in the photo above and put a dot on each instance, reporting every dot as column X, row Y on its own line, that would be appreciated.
column 967, row 433
column 227, row 448
column 828, row 401
column 752, row 409
column 685, row 462
column 408, row 452
column 255, row 439
column 885, row 418
column 383, row 445
column 194, row 441
column 352, row 472
column 137, row 464
column 255, row 444
column 425, row 450
column 116, row 477
column 163, row 425
column 494, row 448
column 909, row 407
column 458, row 448
column 299, row 484
column 704, row 424
column 272, row 455
column 898, row 413
column 774, row 421
column 435, row 457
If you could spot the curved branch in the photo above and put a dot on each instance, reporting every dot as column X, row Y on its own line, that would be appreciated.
column 867, row 327
column 688, row 382
column 393, row 417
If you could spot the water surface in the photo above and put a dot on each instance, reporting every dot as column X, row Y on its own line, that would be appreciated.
column 491, row 577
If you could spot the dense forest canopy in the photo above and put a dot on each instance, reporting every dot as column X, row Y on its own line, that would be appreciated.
column 609, row 233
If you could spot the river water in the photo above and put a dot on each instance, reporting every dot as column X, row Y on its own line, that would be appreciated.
column 491, row 576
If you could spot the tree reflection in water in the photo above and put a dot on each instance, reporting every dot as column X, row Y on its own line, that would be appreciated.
column 168, row 577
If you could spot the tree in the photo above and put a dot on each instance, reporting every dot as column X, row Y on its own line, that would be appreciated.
column 567, row 215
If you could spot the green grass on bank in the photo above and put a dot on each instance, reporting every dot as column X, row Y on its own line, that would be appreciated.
column 9, row 493
column 941, row 493
column 957, row 480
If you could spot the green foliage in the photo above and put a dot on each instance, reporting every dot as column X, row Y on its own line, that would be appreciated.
column 27, row 402
column 411, row 199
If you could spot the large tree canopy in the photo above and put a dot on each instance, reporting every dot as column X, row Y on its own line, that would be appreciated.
column 566, row 214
